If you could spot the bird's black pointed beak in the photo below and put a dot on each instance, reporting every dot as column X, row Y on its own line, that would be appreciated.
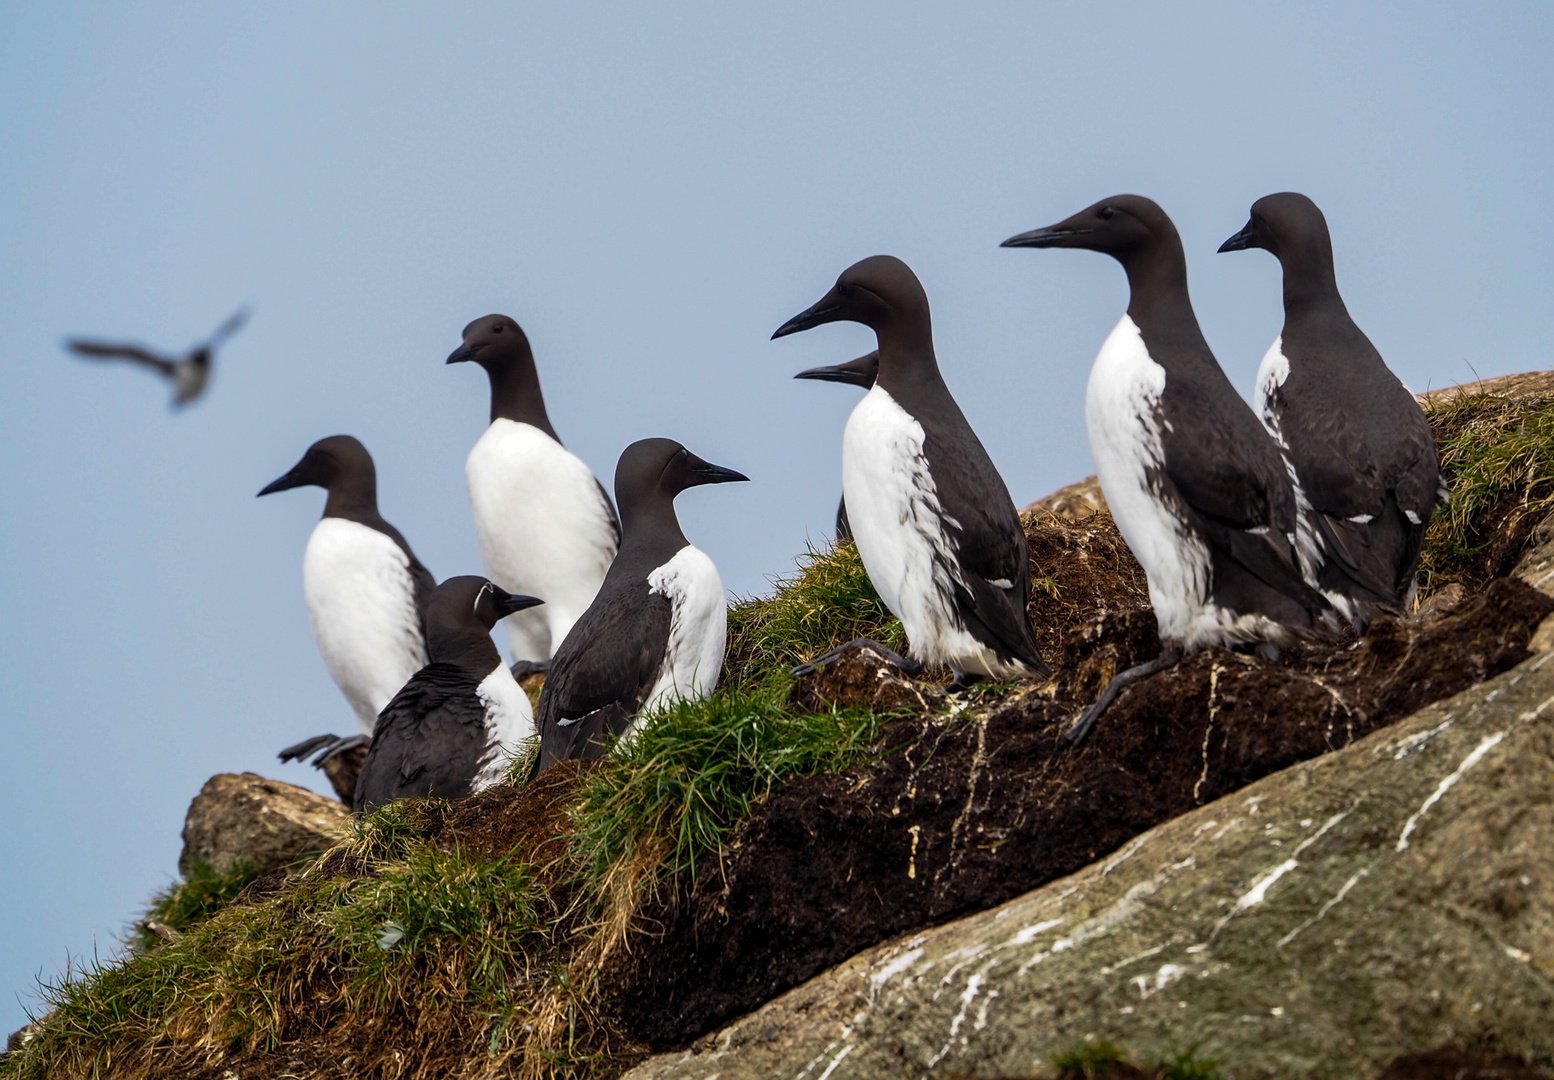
column 705, row 472
column 1052, row 236
column 827, row 309
column 293, row 479
column 461, row 354
column 507, row 602
column 1239, row 242
column 833, row 373
column 860, row 372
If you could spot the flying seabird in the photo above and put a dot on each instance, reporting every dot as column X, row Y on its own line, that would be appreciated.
column 860, row 373
column 189, row 374
column 366, row 591
column 452, row 729
column 546, row 526
column 933, row 521
column 1367, row 475
column 656, row 631
column 1196, row 485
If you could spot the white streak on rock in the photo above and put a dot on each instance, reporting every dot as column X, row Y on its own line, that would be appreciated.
column 1445, row 785
column 1332, row 902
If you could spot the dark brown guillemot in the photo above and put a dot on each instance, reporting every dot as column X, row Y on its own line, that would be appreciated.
column 454, row 726
column 933, row 521
column 1367, row 474
column 189, row 374
column 366, row 591
column 546, row 526
column 1197, row 487
column 656, row 631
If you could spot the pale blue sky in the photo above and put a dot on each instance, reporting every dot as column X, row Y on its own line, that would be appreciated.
column 649, row 190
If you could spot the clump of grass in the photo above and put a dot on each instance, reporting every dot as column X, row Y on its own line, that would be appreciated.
column 1497, row 455
column 1087, row 1059
column 1186, row 1065
column 827, row 603
column 695, row 770
column 203, row 892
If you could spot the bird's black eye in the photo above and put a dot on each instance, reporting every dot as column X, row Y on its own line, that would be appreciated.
column 1107, row 213
column 497, row 329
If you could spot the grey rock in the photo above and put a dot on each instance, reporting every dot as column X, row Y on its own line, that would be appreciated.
column 267, row 823
column 1383, row 899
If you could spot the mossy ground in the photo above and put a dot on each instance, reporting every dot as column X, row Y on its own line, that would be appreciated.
column 405, row 953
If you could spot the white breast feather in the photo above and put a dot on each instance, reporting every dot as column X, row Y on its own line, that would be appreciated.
column 698, row 628
column 1309, row 549
column 900, row 529
column 544, row 530
column 361, row 601
column 1122, row 421
column 509, row 721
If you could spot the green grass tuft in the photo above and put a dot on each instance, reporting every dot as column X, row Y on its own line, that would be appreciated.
column 695, row 770
column 827, row 603
column 1492, row 450
column 200, row 895
column 1087, row 1059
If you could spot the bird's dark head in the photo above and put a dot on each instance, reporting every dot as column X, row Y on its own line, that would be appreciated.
column 1121, row 226
column 664, row 466
column 860, row 372
column 881, row 292
column 1280, row 223
column 472, row 600
column 329, row 463
column 493, row 342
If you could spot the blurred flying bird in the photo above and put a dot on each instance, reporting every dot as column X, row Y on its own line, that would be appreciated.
column 189, row 374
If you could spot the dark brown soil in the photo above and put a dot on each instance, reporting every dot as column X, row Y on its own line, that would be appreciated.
column 1452, row 1063
column 963, row 814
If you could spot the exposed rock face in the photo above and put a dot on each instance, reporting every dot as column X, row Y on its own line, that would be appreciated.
column 1380, row 900
column 266, row 823
column 964, row 812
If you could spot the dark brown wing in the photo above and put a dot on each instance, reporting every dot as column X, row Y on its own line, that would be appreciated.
column 107, row 350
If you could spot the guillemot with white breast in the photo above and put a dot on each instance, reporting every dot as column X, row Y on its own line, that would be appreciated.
column 452, row 729
column 366, row 591
column 933, row 521
column 1196, row 485
column 860, row 372
column 657, row 629
column 1367, row 474
column 546, row 526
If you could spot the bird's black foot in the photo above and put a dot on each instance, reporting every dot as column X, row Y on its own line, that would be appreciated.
column 905, row 663
column 965, row 680
column 1120, row 682
column 325, row 746
column 522, row 669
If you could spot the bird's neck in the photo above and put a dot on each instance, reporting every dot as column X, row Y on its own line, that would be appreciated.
column 515, row 395
column 1309, row 281
column 650, row 526
column 1158, row 300
column 908, row 366
column 468, row 648
column 354, row 498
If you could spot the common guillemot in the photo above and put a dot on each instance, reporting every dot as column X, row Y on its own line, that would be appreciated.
column 657, row 629
column 545, row 524
column 933, row 521
column 860, row 373
column 189, row 374
column 366, row 591
column 1196, row 485
column 1367, row 474
column 453, row 727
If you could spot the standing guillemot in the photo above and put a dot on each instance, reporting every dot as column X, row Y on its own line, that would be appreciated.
column 1196, row 485
column 933, row 521
column 189, row 374
column 452, row 728
column 860, row 373
column 546, row 526
column 1367, row 475
column 366, row 591
column 657, row 629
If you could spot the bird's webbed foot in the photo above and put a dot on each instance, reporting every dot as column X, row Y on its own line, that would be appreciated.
column 1120, row 682
column 905, row 663
column 522, row 669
